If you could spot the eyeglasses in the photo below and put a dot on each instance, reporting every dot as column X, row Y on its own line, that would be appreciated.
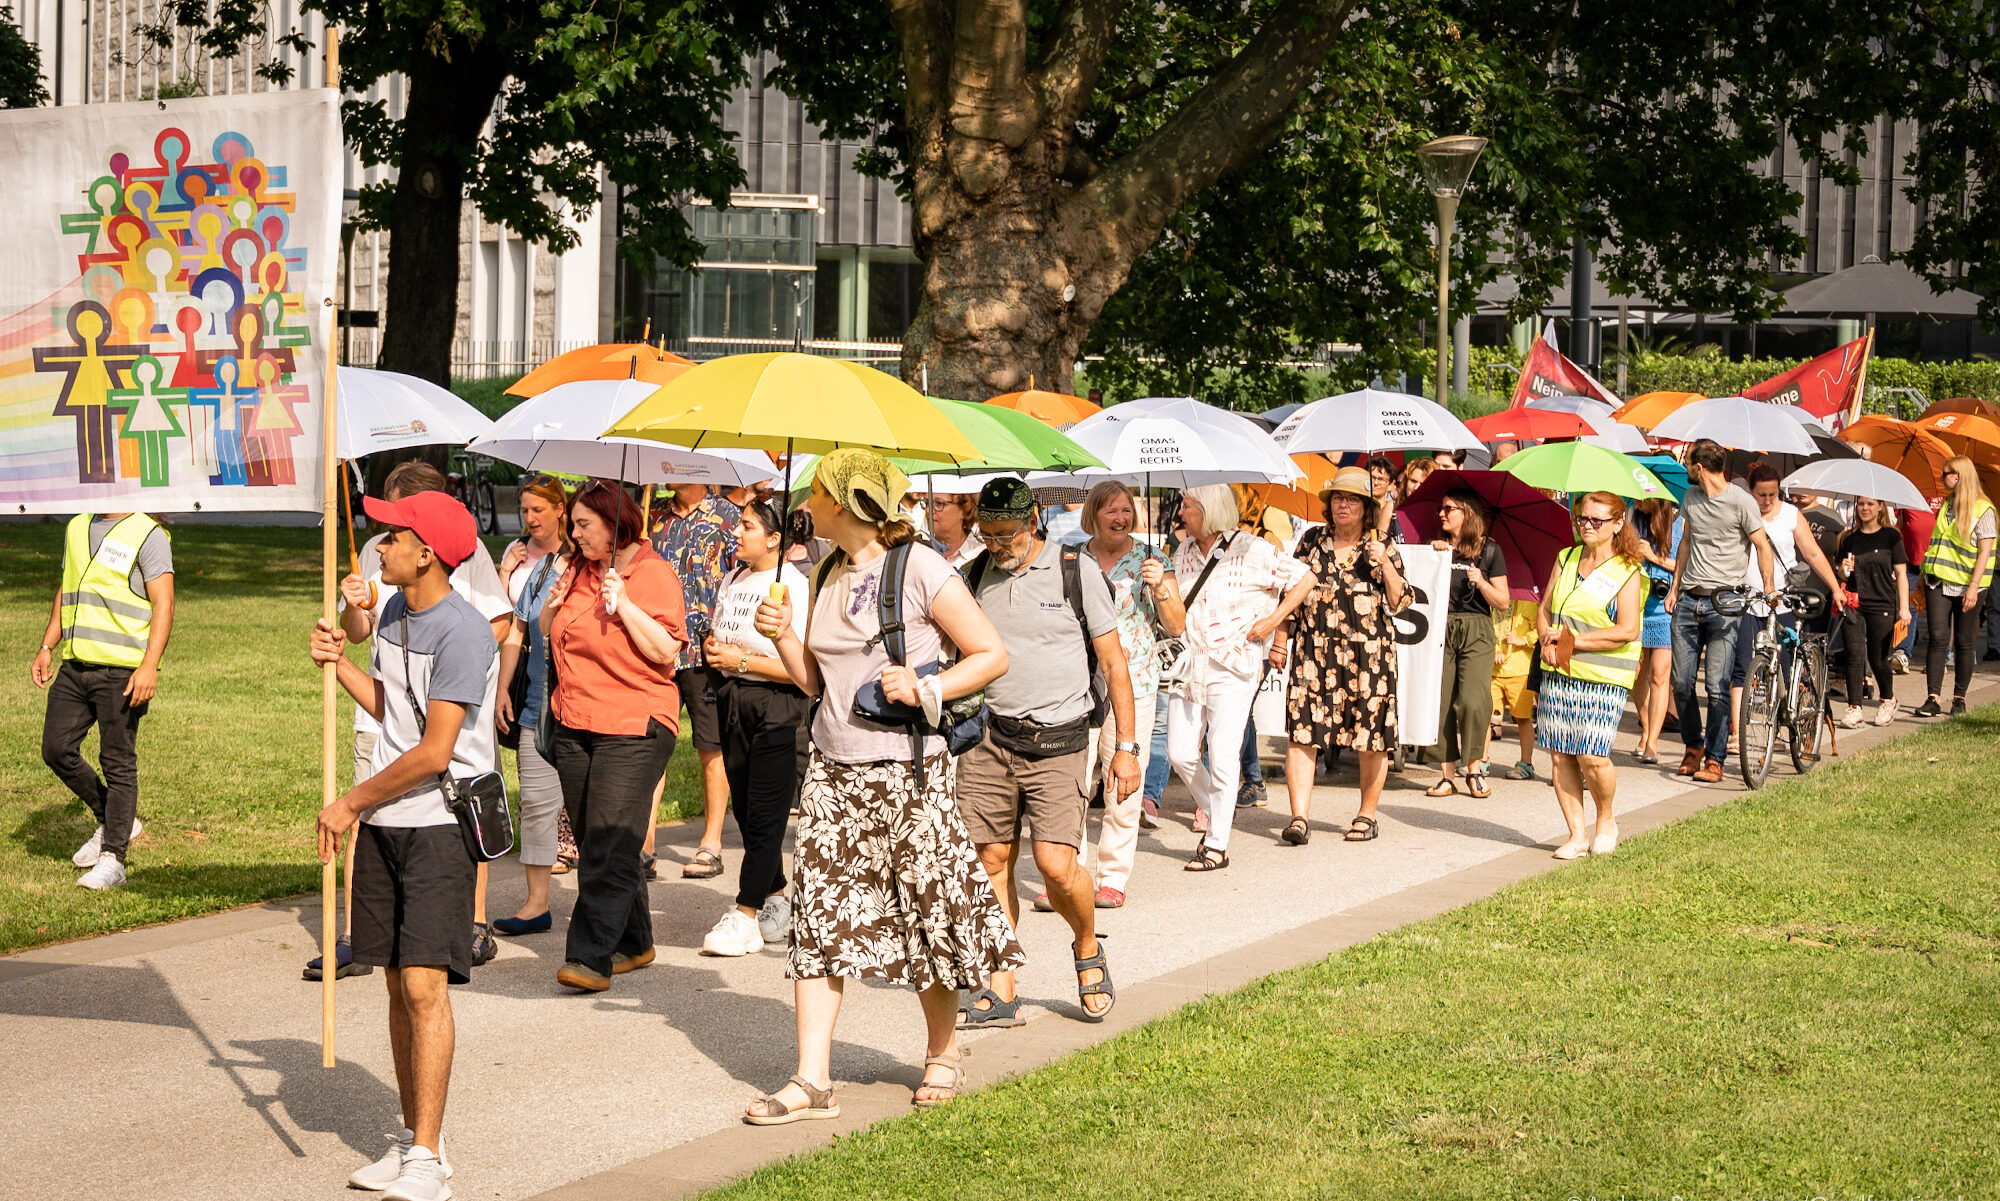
column 1591, row 523
column 1001, row 539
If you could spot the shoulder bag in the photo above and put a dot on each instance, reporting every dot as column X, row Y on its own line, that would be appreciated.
column 1172, row 652
column 478, row 802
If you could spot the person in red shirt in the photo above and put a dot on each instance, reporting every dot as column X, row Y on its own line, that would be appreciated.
column 614, row 626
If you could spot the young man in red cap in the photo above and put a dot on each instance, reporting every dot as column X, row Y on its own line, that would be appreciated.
column 430, row 682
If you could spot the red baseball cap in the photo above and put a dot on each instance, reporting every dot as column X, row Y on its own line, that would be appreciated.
column 445, row 525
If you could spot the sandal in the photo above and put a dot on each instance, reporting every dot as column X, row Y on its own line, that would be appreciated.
column 1444, row 787
column 1207, row 859
column 957, row 1065
column 1361, row 829
column 1103, row 986
column 1297, row 832
column 998, row 1014
column 820, row 1103
column 1475, row 783
column 706, row 865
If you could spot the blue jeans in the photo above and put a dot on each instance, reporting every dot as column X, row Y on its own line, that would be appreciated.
column 1157, row 767
column 1704, row 645
column 1252, row 768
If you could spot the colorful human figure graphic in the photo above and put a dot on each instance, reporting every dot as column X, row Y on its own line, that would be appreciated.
column 149, row 422
column 222, row 407
column 268, row 433
column 91, row 368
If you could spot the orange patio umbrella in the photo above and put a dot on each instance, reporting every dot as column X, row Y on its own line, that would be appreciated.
column 1968, row 434
column 1301, row 497
column 1650, row 409
column 610, row 360
column 1903, row 447
column 1052, row 407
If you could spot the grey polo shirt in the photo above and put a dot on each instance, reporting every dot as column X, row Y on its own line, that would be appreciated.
column 1048, row 672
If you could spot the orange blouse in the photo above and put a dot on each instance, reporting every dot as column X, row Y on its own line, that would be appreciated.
column 603, row 683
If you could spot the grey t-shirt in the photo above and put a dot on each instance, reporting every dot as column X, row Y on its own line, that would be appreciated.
column 156, row 553
column 1048, row 678
column 1717, row 535
column 451, row 658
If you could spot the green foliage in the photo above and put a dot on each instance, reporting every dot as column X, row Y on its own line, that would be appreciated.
column 20, row 67
column 1957, row 98
column 1714, row 376
column 488, row 395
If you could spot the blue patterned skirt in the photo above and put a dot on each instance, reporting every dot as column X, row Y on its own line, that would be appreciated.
column 1577, row 717
column 1656, row 628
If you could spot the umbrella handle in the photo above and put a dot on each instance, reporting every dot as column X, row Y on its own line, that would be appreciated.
column 353, row 555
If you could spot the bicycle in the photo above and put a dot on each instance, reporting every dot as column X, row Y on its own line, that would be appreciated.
column 1785, row 686
column 470, row 482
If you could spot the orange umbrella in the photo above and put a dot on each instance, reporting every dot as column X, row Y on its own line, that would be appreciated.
column 1903, row 447
column 1300, row 499
column 1652, row 408
column 1963, row 404
column 1967, row 434
column 611, row 360
column 1052, row 407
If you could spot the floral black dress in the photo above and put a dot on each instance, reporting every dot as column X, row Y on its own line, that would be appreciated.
column 1343, row 686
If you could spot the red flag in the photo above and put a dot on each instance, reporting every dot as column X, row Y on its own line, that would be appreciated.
column 1548, row 373
column 1823, row 386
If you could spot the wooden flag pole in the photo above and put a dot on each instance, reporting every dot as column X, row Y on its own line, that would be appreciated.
column 329, row 548
column 1861, row 376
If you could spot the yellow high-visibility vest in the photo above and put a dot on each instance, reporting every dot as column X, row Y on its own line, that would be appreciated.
column 103, row 620
column 1950, row 557
column 1583, row 608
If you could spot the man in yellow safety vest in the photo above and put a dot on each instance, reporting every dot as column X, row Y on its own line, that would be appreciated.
column 108, row 628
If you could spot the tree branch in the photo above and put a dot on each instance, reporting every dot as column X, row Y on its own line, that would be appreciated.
column 990, row 98
column 921, row 28
column 1074, row 56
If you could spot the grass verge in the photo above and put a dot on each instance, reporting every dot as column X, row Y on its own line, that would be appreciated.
column 1791, row 995
column 228, row 756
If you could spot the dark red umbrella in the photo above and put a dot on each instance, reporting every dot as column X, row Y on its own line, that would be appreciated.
column 1529, row 528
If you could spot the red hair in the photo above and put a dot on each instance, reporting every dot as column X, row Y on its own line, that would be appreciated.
column 614, row 507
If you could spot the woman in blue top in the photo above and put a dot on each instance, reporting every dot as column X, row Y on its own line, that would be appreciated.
column 530, row 569
column 1658, row 524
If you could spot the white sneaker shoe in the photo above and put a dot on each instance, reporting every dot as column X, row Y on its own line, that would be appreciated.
column 106, row 873
column 385, row 1171
column 422, row 1178
column 735, row 934
column 1854, row 718
column 774, row 920
column 86, row 855
column 1886, row 714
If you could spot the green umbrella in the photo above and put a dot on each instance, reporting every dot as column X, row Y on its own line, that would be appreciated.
column 1582, row 467
column 1006, row 439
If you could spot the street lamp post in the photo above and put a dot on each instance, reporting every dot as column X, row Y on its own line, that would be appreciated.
column 1447, row 163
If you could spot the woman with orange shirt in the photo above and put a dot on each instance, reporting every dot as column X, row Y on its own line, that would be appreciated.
column 613, row 628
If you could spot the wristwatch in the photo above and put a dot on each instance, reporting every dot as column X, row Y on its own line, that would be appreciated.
column 1130, row 748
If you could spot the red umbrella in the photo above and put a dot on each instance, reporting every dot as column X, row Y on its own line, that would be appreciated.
column 1529, row 528
column 1521, row 425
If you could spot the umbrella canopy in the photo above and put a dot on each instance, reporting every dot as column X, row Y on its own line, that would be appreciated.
column 1964, row 404
column 1884, row 291
column 790, row 401
column 1605, row 430
column 557, row 431
column 1301, row 499
column 1853, row 478
column 1668, row 471
column 1825, row 446
column 1055, row 408
column 1582, row 467
column 609, row 361
column 1371, row 420
column 1967, row 434
column 1006, row 439
column 1651, row 409
column 387, row 410
column 1904, row 447
column 1738, row 423
column 1178, row 443
column 1583, row 406
column 1529, row 528
column 1528, row 425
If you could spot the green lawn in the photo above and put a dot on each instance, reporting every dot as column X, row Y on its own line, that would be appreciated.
column 1792, row 995
column 228, row 757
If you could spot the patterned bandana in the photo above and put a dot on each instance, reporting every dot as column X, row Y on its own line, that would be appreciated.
column 853, row 470
column 1006, row 499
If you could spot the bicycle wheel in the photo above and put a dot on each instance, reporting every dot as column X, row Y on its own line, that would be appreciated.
column 1809, row 708
column 1756, row 718
column 489, row 507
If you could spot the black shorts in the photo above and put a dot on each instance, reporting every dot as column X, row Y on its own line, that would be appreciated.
column 697, row 685
column 412, row 898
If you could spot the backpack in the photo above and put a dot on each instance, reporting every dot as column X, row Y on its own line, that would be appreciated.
column 1072, row 574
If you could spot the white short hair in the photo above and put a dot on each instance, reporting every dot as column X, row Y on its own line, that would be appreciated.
column 1218, row 509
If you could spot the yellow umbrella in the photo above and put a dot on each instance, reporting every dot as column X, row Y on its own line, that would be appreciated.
column 794, row 402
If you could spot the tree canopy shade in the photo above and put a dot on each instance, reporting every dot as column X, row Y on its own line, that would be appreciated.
column 635, row 86
column 1196, row 189
column 20, row 67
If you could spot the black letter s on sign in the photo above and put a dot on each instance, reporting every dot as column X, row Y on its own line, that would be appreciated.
column 1411, row 624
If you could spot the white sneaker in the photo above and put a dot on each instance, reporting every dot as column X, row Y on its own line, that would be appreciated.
column 384, row 1172
column 774, row 920
column 107, row 873
column 1854, row 719
column 86, row 855
column 735, row 934
column 422, row 1178
column 1886, row 714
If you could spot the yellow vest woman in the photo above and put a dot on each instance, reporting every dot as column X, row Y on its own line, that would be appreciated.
column 1958, row 569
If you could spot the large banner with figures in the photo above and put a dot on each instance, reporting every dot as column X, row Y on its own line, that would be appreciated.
column 163, row 307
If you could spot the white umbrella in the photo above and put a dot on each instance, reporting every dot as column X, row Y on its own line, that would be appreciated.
column 1175, row 443
column 1610, row 434
column 1738, row 423
column 387, row 410
column 1582, row 406
column 561, row 431
column 1372, row 420
column 1854, row 478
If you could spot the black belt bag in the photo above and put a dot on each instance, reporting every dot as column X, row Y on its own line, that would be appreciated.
column 478, row 802
column 1033, row 740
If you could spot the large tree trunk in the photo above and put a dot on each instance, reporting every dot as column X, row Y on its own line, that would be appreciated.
column 1024, row 239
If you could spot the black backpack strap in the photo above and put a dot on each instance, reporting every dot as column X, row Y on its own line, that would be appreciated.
column 889, row 611
column 975, row 571
column 1072, row 576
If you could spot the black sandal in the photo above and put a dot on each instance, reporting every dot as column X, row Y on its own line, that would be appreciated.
column 706, row 865
column 1445, row 786
column 1102, row 988
column 1361, row 829
column 1297, row 832
column 1475, row 783
column 1207, row 859
column 998, row 1014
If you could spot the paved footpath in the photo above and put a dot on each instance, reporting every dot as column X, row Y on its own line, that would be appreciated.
column 183, row 1061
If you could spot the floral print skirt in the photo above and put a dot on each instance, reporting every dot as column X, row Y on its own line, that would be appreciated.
column 889, row 885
